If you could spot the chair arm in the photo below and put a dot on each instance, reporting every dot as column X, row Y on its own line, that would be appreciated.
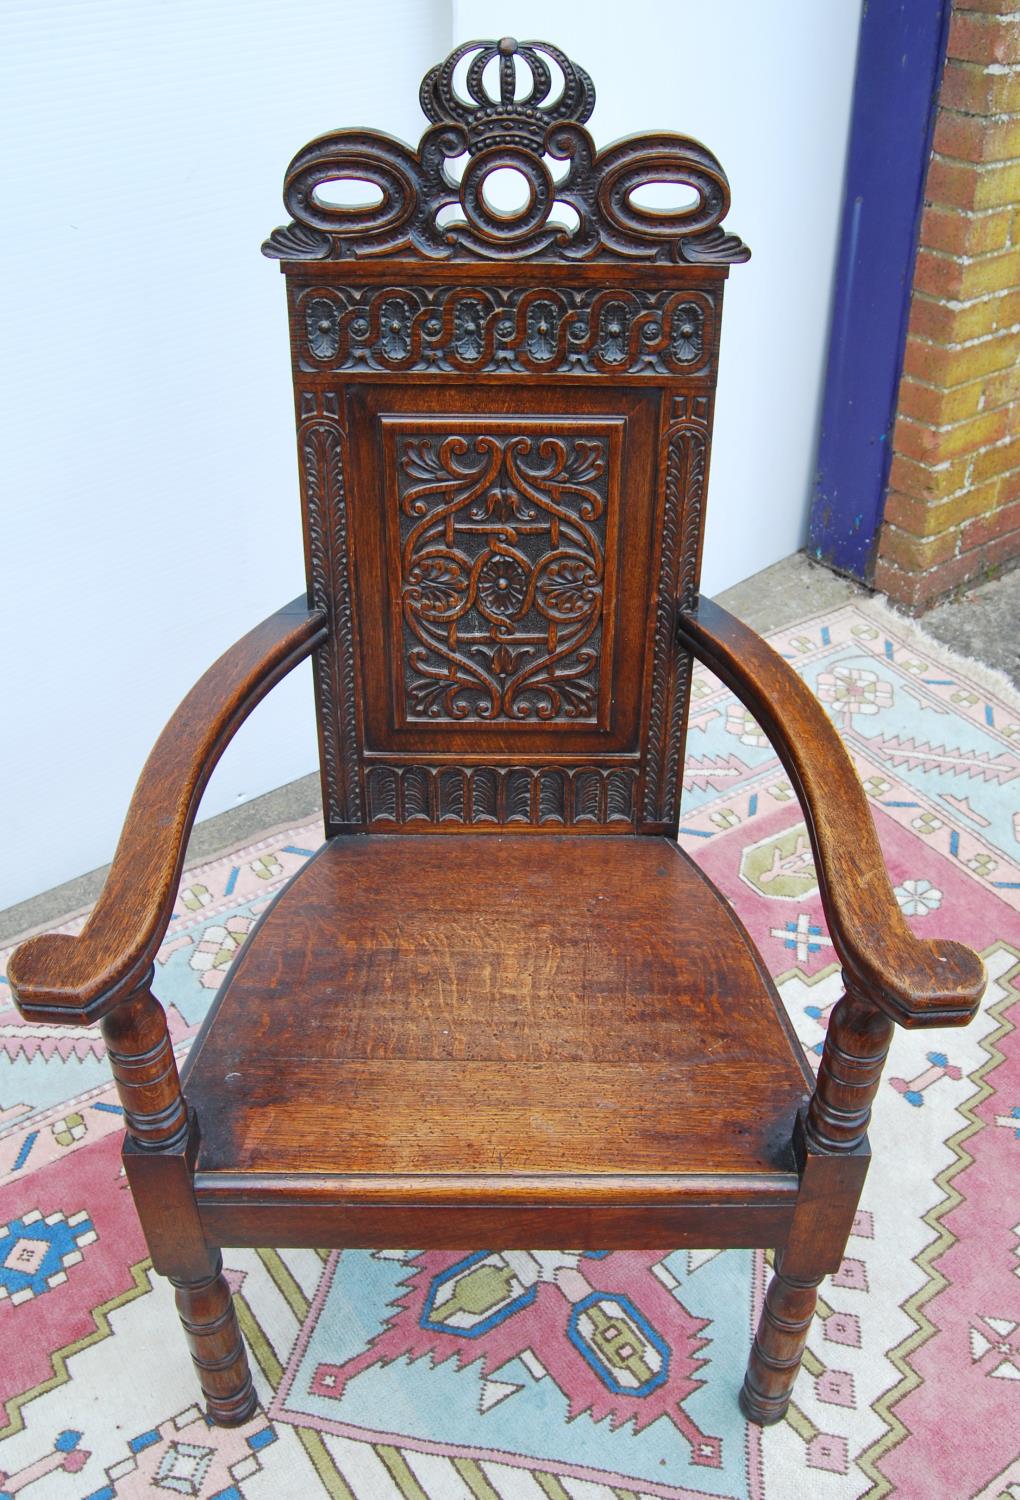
column 916, row 983
column 66, row 979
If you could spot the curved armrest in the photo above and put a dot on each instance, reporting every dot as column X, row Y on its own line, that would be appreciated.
column 79, row 979
column 915, row 982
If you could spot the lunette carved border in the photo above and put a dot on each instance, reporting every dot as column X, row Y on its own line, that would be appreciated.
column 321, row 443
column 500, row 796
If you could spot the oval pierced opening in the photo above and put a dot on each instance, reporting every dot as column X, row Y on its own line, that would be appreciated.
column 505, row 191
column 348, row 192
column 565, row 216
column 664, row 198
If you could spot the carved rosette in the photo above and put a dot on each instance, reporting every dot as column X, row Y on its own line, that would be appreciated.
column 590, row 212
column 542, row 331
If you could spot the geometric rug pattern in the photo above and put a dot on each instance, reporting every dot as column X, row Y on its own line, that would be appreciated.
column 568, row 1375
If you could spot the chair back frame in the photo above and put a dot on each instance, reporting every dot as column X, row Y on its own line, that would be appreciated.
column 504, row 428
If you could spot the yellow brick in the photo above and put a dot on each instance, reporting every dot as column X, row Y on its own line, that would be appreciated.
column 1002, row 389
column 926, row 403
column 955, row 324
column 934, row 445
column 989, row 273
column 925, row 482
column 936, row 365
column 997, row 186
column 914, row 552
column 1004, row 92
column 923, row 518
column 1002, row 140
column 998, row 460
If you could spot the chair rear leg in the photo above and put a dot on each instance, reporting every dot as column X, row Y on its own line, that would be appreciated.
column 209, row 1319
column 778, row 1347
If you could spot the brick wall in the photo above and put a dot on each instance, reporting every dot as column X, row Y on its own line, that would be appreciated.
column 952, row 510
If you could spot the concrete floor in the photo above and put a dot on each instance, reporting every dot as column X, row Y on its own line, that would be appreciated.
column 983, row 624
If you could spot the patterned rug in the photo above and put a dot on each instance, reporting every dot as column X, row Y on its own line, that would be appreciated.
column 557, row 1374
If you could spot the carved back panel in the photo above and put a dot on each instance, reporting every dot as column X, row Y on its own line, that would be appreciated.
column 504, row 423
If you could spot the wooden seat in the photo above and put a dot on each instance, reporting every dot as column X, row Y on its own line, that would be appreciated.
column 500, row 1007
column 550, row 1013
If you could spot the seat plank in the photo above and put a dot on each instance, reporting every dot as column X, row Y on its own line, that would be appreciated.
column 514, row 1005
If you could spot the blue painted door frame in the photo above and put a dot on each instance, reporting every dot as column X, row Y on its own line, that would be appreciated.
column 899, row 66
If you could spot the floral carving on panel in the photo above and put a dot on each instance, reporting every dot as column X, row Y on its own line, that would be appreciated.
column 502, row 575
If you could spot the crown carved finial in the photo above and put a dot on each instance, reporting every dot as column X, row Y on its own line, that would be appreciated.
column 516, row 117
column 513, row 105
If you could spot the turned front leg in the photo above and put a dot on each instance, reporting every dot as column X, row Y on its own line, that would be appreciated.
column 778, row 1347
column 145, row 1071
column 856, row 1045
column 158, row 1165
column 209, row 1319
column 854, row 1054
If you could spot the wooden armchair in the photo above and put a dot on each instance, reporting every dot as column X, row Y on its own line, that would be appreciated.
column 500, row 1006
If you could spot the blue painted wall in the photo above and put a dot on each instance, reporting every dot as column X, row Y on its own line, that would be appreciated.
column 899, row 66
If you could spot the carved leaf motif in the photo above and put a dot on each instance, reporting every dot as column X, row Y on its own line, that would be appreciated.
column 518, row 797
column 543, row 331
column 420, row 461
column 437, row 586
column 484, row 795
column 395, row 329
column 451, row 796
column 322, row 321
column 568, row 588
column 416, row 793
column 586, row 796
column 585, row 463
column 619, row 795
column 552, row 797
column 687, row 333
column 614, row 328
column 468, row 323
column 382, row 793
column 455, row 794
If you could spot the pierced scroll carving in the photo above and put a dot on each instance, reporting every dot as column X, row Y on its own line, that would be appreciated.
column 502, row 538
column 521, row 128
column 498, row 796
column 320, row 444
column 545, row 331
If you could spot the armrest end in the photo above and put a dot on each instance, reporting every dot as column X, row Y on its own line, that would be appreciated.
column 77, row 980
column 916, row 983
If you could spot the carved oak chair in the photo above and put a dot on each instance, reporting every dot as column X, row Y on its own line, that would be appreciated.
column 500, row 1006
